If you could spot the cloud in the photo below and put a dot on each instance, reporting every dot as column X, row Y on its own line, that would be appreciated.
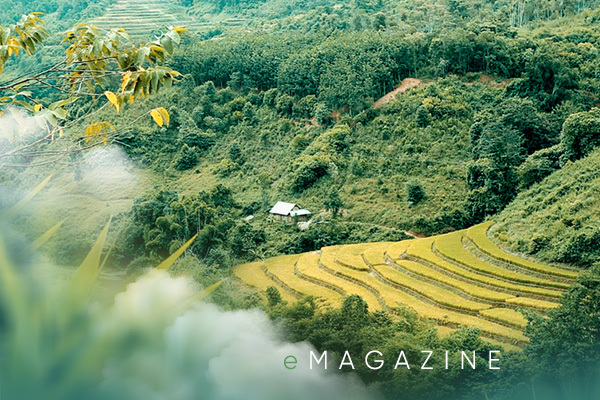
column 107, row 173
column 209, row 353
column 16, row 123
column 153, row 341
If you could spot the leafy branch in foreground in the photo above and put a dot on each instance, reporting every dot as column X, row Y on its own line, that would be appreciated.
column 99, row 68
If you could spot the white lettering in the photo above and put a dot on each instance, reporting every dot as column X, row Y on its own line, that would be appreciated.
column 462, row 360
column 378, row 361
column 402, row 356
column 427, row 359
column 493, row 359
column 312, row 355
column 346, row 354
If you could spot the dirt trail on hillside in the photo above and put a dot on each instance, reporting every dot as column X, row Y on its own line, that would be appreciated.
column 406, row 84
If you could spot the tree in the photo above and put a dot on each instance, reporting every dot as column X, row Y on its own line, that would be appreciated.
column 415, row 192
column 492, row 176
column 566, row 344
column 523, row 116
column 379, row 21
column 188, row 158
column 539, row 165
column 581, row 134
column 245, row 239
column 235, row 154
column 98, row 69
column 422, row 117
column 322, row 114
column 274, row 297
column 333, row 203
column 492, row 186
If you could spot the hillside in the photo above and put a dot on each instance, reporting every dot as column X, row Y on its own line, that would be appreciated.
column 559, row 218
column 444, row 155
column 142, row 18
column 457, row 279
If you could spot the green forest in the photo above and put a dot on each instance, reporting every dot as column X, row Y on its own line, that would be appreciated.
column 388, row 119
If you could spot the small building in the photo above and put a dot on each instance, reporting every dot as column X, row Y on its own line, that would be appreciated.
column 289, row 212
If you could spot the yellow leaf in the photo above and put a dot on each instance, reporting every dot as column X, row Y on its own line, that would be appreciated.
column 37, row 107
column 157, row 48
column 113, row 100
column 165, row 114
column 126, row 80
column 61, row 132
column 157, row 117
column 101, row 129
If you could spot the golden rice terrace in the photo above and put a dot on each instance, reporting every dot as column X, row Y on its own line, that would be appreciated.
column 457, row 279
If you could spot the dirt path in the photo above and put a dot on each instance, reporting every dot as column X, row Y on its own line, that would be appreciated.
column 406, row 84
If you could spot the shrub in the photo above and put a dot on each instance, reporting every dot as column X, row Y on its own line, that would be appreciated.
column 309, row 169
column 187, row 158
column 273, row 296
column 581, row 248
column 225, row 167
column 322, row 114
column 285, row 104
column 197, row 139
column 581, row 134
column 539, row 165
column 333, row 140
column 415, row 192
column 300, row 142
column 245, row 238
column 333, row 203
column 235, row 154
column 422, row 117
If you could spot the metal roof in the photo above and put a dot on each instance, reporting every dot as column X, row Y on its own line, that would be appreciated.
column 282, row 208
column 300, row 213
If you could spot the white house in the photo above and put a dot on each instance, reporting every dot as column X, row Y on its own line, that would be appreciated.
column 289, row 212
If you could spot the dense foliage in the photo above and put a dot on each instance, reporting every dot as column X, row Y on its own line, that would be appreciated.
column 290, row 117
column 500, row 125
column 557, row 219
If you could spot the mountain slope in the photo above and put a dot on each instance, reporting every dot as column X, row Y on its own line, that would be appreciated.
column 141, row 17
column 559, row 218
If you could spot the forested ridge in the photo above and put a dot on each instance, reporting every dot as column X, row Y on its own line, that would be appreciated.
column 494, row 117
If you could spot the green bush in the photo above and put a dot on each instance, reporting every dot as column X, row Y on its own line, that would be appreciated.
column 581, row 134
column 539, row 165
column 308, row 170
column 187, row 158
column 415, row 192
column 422, row 117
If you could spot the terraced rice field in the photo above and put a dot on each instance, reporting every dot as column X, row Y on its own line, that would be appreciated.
column 457, row 279
column 141, row 18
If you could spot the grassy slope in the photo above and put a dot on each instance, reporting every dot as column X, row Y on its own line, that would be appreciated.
column 556, row 214
column 86, row 194
column 391, row 150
